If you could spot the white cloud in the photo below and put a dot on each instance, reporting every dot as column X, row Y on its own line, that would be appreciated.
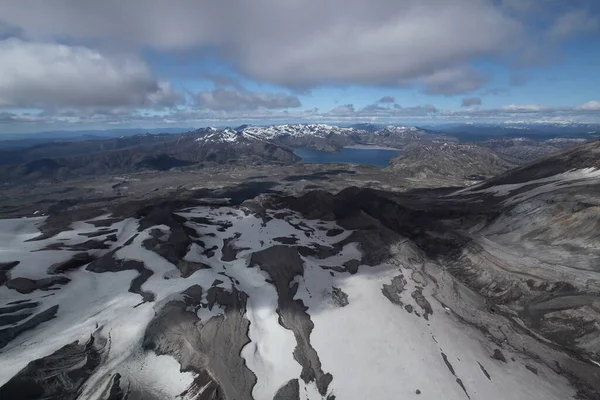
column 589, row 106
column 586, row 109
column 523, row 108
column 387, row 111
column 47, row 75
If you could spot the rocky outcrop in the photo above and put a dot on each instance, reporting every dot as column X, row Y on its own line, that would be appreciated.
column 60, row 375
column 448, row 164
column 210, row 348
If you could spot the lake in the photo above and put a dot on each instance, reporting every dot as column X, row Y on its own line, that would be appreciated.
column 376, row 156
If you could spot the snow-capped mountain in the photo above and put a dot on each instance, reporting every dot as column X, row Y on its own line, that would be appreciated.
column 233, row 145
column 228, row 135
column 333, row 138
column 298, row 130
column 317, row 136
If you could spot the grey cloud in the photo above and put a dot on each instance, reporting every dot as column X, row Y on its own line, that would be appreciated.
column 48, row 75
column 347, row 109
column 538, row 53
column 572, row 23
column 222, row 80
column 493, row 92
column 517, row 80
column 9, row 31
column 374, row 108
column 87, row 111
column 397, row 110
column 471, row 101
column 411, row 40
column 454, row 81
column 530, row 6
column 229, row 100
column 417, row 110
column 386, row 99
column 10, row 118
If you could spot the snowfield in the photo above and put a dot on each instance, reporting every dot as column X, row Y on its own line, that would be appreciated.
column 372, row 347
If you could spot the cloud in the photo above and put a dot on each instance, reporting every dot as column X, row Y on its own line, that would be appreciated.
column 347, row 109
column 572, row 23
column 386, row 99
column 589, row 106
column 531, row 6
column 471, row 101
column 9, row 31
column 230, row 100
column 376, row 110
column 332, row 42
column 517, row 80
column 454, row 81
column 420, row 110
column 9, row 118
column 494, row 92
column 47, row 75
column 75, row 118
column 222, row 80
column 523, row 108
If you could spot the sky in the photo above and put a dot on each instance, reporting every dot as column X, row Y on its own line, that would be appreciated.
column 75, row 65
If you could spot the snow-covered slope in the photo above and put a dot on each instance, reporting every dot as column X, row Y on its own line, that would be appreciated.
column 229, row 135
column 229, row 303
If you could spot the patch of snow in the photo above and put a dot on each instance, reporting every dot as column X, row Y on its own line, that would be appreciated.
column 575, row 177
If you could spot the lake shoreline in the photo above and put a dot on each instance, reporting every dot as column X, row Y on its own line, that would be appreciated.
column 370, row 147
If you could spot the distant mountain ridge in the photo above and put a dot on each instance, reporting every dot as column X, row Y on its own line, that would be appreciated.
column 428, row 151
column 138, row 152
column 523, row 150
column 449, row 164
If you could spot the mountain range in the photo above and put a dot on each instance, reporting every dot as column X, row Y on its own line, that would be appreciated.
column 424, row 151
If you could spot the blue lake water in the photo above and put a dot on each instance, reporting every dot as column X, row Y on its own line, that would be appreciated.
column 376, row 157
